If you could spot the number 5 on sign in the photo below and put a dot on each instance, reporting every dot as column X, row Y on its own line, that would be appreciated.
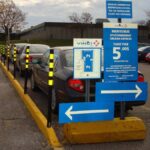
column 117, row 53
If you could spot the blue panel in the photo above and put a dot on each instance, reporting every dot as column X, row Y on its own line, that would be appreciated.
column 77, row 112
column 87, row 56
column 120, row 54
column 123, row 91
column 119, row 9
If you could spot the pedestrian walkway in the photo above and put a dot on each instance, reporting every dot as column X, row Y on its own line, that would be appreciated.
column 17, row 128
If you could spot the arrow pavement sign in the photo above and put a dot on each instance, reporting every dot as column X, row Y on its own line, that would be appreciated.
column 122, row 91
column 86, row 112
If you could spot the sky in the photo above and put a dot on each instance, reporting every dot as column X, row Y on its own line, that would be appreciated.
column 39, row 11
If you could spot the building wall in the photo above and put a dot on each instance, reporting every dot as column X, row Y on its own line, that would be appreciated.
column 59, row 31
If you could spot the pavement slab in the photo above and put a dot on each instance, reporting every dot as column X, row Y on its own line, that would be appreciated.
column 18, row 131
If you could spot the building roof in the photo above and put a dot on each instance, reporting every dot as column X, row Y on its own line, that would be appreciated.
column 58, row 24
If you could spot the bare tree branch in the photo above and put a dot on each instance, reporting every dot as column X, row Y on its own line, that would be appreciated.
column 74, row 17
column 84, row 18
column 11, row 17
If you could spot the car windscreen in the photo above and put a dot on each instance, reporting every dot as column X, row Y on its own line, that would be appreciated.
column 68, row 58
column 68, row 55
column 19, row 47
column 38, row 49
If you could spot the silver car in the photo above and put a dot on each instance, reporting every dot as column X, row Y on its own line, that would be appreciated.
column 19, row 47
column 36, row 52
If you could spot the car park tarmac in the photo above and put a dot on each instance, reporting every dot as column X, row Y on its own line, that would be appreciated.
column 17, row 128
column 142, row 112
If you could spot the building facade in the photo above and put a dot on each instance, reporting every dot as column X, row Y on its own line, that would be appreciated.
column 65, row 31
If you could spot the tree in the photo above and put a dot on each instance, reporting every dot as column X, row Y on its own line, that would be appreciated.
column 148, row 17
column 11, row 17
column 85, row 17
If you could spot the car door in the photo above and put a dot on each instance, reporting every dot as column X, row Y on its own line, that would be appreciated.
column 42, row 72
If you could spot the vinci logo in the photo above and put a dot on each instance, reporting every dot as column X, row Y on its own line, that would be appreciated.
column 96, row 43
column 87, row 43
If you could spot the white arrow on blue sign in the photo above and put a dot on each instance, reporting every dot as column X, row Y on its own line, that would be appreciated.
column 86, row 112
column 122, row 91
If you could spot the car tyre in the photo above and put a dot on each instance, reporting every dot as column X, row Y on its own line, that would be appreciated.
column 34, row 86
column 21, row 72
column 54, row 104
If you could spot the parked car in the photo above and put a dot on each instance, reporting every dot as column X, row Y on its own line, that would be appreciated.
column 142, row 52
column 143, row 44
column 66, row 89
column 147, row 58
column 19, row 47
column 36, row 52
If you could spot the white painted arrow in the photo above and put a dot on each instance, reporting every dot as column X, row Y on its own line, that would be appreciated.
column 69, row 112
column 138, row 91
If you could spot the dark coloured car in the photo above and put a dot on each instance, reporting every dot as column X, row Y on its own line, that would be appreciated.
column 66, row 89
column 143, row 45
column 147, row 58
column 142, row 52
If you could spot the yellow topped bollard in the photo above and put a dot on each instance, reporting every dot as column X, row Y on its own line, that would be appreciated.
column 8, row 56
column 51, row 84
column 15, row 59
column 26, row 69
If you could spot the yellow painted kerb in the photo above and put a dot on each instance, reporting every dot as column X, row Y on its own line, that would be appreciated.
column 35, row 112
column 130, row 129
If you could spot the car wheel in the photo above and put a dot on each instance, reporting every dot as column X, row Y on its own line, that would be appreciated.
column 34, row 86
column 54, row 104
column 21, row 72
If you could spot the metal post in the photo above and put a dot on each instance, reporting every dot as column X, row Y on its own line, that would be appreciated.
column 8, row 57
column 87, row 91
column 8, row 35
column 15, row 58
column 122, row 104
column 26, row 70
column 51, row 84
column 1, row 53
column 4, row 55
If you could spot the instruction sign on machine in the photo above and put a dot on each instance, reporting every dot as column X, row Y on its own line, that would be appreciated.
column 120, row 55
column 87, row 58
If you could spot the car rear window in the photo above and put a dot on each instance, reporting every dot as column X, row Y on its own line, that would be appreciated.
column 19, row 47
column 38, row 49
column 68, row 55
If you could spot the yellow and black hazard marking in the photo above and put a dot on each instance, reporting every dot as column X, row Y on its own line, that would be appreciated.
column 8, row 56
column 50, row 83
column 27, row 58
column 15, row 53
column 51, row 68
column 15, row 59
column 26, row 68
column 3, row 51
column 8, row 52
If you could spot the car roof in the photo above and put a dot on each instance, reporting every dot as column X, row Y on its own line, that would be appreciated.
column 142, row 48
column 39, row 45
column 21, row 43
column 63, row 48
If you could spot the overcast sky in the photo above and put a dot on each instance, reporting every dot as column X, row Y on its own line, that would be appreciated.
column 39, row 11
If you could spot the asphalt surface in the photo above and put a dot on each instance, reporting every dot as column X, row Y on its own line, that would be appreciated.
column 17, row 129
column 141, row 111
